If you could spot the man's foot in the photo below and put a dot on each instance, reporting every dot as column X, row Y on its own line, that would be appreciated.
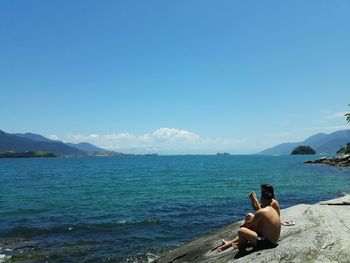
column 225, row 245
column 235, row 245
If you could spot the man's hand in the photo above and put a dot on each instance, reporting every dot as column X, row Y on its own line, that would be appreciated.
column 254, row 200
column 252, row 196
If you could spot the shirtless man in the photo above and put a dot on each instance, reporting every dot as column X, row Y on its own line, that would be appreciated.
column 267, row 223
column 267, row 199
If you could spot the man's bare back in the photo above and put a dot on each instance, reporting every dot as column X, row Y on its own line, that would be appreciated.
column 270, row 224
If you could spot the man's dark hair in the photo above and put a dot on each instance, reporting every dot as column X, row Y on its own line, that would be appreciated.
column 269, row 189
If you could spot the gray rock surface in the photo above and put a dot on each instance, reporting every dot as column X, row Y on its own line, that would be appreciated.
column 321, row 234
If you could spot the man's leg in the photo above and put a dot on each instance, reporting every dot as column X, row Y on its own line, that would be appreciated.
column 226, row 244
column 246, row 236
column 249, row 217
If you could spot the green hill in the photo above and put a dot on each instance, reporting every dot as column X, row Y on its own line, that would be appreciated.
column 10, row 142
column 321, row 143
column 303, row 149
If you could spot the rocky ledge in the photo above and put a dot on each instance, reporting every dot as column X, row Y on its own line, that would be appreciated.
column 321, row 233
column 341, row 161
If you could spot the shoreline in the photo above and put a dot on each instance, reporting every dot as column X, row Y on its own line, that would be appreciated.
column 321, row 234
column 340, row 161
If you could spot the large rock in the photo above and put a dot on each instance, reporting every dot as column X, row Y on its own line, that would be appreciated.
column 341, row 161
column 321, row 234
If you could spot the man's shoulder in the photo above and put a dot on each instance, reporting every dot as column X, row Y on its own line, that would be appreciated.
column 266, row 209
column 275, row 202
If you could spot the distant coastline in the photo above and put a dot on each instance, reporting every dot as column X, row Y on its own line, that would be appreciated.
column 27, row 154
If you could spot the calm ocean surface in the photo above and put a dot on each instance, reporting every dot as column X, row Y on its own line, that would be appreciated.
column 132, row 209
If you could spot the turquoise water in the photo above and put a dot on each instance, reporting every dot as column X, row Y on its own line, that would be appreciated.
column 133, row 209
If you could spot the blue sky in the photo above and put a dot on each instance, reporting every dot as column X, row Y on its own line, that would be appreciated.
column 175, row 76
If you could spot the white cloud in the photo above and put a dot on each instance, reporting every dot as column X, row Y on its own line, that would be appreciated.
column 161, row 140
column 79, row 137
column 171, row 134
column 94, row 136
column 120, row 136
column 53, row 137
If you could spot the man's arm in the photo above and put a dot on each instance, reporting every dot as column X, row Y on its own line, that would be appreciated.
column 255, row 203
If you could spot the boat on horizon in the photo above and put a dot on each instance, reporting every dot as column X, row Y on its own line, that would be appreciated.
column 223, row 153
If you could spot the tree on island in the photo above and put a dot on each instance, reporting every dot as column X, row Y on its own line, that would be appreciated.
column 303, row 149
column 347, row 115
column 346, row 149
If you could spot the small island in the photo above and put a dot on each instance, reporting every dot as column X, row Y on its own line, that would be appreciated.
column 28, row 154
column 303, row 149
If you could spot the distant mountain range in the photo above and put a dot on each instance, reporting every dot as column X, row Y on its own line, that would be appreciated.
column 21, row 142
column 321, row 143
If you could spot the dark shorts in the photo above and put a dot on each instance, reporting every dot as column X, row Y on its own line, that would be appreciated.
column 264, row 243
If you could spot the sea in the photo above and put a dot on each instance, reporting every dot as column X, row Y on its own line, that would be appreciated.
column 136, row 208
